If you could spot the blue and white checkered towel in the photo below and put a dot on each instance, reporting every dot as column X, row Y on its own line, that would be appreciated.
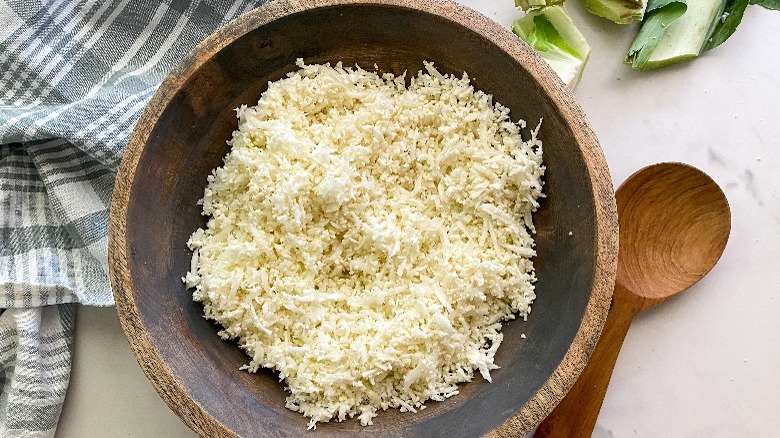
column 74, row 78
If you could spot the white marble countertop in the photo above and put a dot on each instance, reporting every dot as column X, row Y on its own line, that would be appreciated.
column 706, row 363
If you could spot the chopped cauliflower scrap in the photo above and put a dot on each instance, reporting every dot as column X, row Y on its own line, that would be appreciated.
column 367, row 239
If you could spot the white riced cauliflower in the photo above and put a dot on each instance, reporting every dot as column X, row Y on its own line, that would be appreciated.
column 366, row 239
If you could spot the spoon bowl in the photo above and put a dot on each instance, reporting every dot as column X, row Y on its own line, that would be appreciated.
column 674, row 224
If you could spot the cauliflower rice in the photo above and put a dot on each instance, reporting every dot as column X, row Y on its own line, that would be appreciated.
column 366, row 239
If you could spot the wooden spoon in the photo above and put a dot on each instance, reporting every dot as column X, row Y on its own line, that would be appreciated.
column 674, row 225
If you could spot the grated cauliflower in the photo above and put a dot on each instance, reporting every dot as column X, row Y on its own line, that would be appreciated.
column 366, row 239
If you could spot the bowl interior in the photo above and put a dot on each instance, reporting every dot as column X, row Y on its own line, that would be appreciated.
column 188, row 141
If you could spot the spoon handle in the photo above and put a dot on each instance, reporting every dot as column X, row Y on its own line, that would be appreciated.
column 576, row 414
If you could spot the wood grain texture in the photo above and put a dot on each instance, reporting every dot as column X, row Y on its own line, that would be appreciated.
column 181, row 137
column 674, row 225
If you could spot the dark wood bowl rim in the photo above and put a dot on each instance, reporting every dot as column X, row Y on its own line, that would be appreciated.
column 605, row 244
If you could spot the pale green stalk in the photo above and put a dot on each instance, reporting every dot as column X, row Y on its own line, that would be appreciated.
column 551, row 32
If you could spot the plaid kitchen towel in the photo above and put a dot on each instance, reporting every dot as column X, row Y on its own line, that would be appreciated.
column 74, row 78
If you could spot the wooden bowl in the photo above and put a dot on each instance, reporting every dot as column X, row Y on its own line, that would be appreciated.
column 181, row 137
